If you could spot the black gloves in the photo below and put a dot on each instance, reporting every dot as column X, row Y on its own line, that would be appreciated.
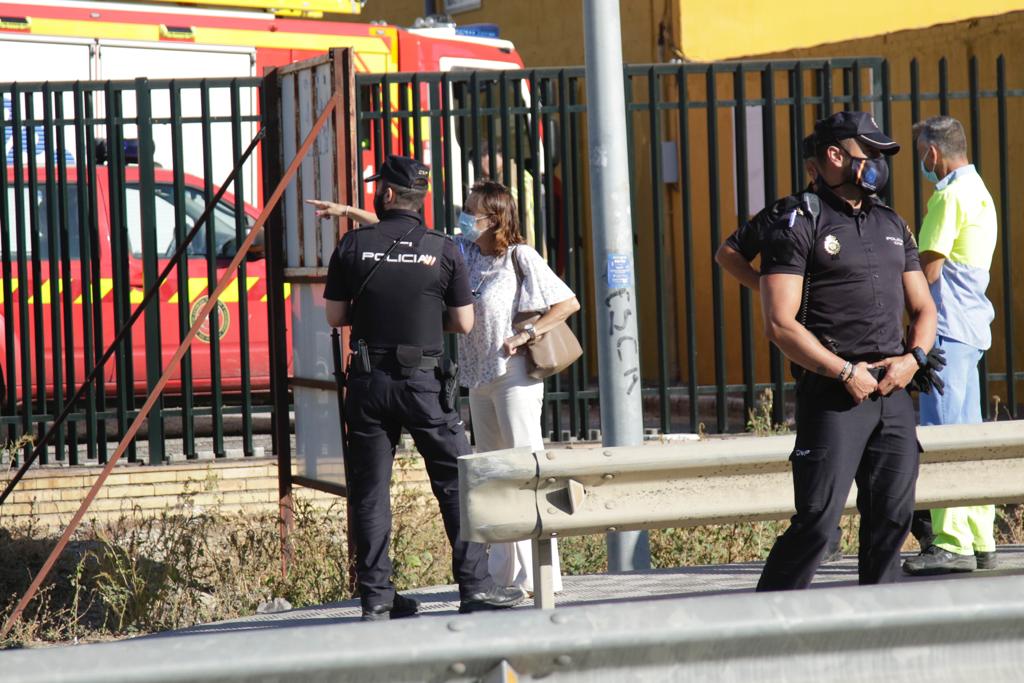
column 927, row 377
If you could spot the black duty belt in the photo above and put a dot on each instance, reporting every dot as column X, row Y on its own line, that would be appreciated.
column 388, row 359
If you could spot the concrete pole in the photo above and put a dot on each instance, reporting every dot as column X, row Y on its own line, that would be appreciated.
column 618, row 348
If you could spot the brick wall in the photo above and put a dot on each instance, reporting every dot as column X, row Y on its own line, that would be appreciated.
column 52, row 495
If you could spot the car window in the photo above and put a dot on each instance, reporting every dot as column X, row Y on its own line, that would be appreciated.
column 164, row 239
column 42, row 226
column 223, row 220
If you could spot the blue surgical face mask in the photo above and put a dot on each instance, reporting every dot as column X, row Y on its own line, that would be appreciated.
column 931, row 176
column 467, row 226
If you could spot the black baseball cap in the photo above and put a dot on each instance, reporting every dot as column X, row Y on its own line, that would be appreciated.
column 855, row 124
column 403, row 172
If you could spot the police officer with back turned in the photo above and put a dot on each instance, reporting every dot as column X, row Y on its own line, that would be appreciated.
column 833, row 289
column 400, row 286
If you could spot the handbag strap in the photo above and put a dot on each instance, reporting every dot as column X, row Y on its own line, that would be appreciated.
column 518, row 267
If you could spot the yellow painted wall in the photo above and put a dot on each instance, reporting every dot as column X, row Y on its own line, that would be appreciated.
column 727, row 29
column 548, row 33
column 545, row 32
column 985, row 39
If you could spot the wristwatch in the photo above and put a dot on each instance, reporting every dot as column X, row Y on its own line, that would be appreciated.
column 920, row 356
column 529, row 330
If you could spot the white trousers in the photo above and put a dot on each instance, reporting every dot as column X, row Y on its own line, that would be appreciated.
column 506, row 414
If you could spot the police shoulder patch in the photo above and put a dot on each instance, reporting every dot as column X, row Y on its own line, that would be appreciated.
column 909, row 235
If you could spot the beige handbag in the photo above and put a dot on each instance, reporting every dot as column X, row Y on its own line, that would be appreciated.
column 551, row 352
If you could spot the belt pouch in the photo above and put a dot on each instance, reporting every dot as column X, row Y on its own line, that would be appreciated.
column 409, row 358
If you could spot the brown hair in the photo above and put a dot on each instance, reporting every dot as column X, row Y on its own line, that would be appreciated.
column 495, row 201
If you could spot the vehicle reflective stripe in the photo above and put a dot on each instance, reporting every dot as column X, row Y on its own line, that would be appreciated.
column 230, row 295
column 287, row 292
column 196, row 287
column 46, row 290
column 246, row 38
column 14, row 288
column 106, row 286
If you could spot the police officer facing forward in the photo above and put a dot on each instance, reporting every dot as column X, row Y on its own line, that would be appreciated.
column 833, row 291
column 391, row 282
column 740, row 248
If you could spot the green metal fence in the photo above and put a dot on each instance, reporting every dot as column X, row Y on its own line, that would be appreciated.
column 102, row 180
column 710, row 144
column 90, row 217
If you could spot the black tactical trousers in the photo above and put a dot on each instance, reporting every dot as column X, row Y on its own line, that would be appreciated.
column 837, row 443
column 378, row 405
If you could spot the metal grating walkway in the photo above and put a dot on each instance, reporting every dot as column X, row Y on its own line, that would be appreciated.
column 603, row 589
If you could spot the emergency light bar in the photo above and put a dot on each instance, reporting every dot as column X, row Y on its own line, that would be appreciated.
column 15, row 23
column 129, row 147
column 478, row 31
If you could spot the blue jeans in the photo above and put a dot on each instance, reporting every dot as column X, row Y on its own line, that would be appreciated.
column 960, row 530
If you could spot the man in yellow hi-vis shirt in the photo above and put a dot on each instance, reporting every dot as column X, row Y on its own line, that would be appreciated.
column 957, row 239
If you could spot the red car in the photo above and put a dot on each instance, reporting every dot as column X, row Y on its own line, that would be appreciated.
column 223, row 223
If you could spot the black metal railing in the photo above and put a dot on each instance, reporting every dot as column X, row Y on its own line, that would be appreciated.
column 710, row 144
column 102, row 181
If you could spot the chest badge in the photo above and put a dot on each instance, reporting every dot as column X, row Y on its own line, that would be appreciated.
column 832, row 245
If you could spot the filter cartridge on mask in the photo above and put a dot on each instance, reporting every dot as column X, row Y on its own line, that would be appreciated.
column 870, row 174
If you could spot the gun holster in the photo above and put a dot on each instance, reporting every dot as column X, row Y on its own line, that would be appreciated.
column 449, row 372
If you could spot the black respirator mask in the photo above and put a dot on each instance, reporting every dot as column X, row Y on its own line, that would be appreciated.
column 870, row 175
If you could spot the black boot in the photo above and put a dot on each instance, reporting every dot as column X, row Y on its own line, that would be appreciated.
column 935, row 560
column 986, row 560
column 497, row 597
column 400, row 608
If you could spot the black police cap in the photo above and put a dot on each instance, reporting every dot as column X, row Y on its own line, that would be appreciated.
column 855, row 124
column 403, row 172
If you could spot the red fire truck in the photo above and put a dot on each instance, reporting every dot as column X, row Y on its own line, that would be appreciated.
column 67, row 40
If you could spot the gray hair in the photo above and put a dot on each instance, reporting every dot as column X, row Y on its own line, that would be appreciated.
column 945, row 133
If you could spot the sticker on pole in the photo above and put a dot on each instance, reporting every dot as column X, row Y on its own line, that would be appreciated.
column 620, row 271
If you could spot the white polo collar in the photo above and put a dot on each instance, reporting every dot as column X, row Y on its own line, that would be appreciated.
column 962, row 171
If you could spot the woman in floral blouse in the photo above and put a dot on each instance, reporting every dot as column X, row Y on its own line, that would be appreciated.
column 505, row 402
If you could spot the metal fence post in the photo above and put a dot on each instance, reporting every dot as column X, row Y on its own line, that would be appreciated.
column 147, row 210
column 618, row 349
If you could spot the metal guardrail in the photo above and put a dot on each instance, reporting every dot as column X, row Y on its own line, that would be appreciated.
column 517, row 494
column 943, row 631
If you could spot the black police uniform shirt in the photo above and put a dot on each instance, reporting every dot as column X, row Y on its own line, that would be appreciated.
column 853, row 263
column 748, row 238
column 404, row 301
